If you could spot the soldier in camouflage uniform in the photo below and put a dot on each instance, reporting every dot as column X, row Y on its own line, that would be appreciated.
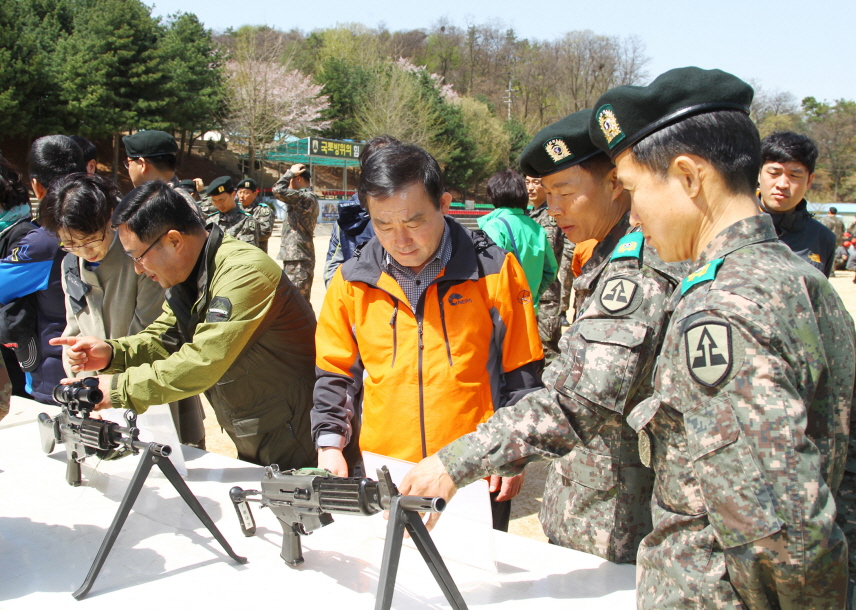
column 747, row 428
column 297, row 251
column 549, row 327
column 229, row 217
column 597, row 498
column 248, row 190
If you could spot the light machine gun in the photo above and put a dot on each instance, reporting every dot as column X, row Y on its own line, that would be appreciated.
column 303, row 501
column 84, row 436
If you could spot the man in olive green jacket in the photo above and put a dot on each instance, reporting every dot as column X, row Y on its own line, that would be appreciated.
column 233, row 326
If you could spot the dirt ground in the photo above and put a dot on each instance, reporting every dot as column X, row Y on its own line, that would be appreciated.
column 525, row 507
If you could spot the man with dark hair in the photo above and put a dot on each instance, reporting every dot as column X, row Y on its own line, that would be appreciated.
column 229, row 216
column 33, row 305
column 746, row 430
column 833, row 222
column 297, row 251
column 233, row 326
column 787, row 171
column 248, row 191
column 431, row 324
column 90, row 153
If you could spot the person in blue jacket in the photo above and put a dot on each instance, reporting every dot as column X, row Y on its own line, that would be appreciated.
column 32, row 305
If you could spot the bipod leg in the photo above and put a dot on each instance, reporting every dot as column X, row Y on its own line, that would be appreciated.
column 391, row 556
column 168, row 469
column 143, row 467
column 432, row 557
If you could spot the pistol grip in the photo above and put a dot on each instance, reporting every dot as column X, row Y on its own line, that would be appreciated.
column 72, row 471
column 292, row 551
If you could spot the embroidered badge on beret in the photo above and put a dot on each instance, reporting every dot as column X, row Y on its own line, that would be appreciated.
column 246, row 185
column 220, row 310
column 558, row 150
column 709, row 352
column 220, row 189
column 617, row 294
column 609, row 125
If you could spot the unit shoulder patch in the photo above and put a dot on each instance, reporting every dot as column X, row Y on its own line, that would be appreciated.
column 617, row 294
column 629, row 246
column 220, row 310
column 709, row 352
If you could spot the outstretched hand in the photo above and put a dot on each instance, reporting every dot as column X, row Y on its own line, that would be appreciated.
column 429, row 478
column 85, row 353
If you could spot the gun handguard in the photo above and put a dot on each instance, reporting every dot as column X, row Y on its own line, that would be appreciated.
column 303, row 501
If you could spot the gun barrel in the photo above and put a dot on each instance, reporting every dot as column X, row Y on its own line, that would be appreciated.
column 421, row 504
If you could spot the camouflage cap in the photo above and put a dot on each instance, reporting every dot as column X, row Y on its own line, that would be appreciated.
column 559, row 146
column 248, row 183
column 223, row 184
column 149, row 144
column 625, row 115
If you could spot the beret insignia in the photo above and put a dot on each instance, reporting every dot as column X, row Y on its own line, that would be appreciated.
column 220, row 189
column 609, row 125
column 557, row 149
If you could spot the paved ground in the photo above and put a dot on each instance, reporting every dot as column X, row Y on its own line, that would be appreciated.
column 528, row 503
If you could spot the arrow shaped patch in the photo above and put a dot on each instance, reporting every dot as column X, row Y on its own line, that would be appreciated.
column 709, row 352
column 617, row 294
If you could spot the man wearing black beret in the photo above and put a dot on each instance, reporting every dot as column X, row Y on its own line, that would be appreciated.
column 746, row 429
column 598, row 501
column 151, row 155
column 248, row 190
column 229, row 216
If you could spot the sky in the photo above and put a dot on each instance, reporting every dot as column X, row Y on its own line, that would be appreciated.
column 805, row 48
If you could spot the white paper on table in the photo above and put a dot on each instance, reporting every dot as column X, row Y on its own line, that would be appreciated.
column 156, row 426
column 464, row 532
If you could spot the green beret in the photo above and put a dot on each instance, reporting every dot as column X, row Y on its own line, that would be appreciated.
column 248, row 183
column 559, row 146
column 625, row 115
column 223, row 184
column 149, row 144
column 190, row 184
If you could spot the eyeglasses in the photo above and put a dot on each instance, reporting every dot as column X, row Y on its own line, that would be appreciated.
column 89, row 244
column 139, row 259
column 127, row 162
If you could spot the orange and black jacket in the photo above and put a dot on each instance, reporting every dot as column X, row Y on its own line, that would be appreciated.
column 423, row 375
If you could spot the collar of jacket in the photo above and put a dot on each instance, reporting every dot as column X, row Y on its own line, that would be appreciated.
column 745, row 232
column 462, row 266
column 601, row 253
column 791, row 221
column 202, row 271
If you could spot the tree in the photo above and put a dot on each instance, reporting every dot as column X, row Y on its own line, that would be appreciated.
column 194, row 65
column 267, row 99
column 833, row 128
column 774, row 111
column 491, row 144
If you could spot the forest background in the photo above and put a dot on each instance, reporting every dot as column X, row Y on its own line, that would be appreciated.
column 472, row 94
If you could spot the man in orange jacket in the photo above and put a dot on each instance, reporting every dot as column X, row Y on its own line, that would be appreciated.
column 424, row 333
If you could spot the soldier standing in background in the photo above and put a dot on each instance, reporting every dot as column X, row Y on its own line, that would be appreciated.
column 833, row 222
column 248, row 190
column 549, row 326
column 297, row 252
column 229, row 217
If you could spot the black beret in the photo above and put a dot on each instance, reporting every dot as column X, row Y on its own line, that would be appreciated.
column 149, row 144
column 559, row 146
column 625, row 115
column 188, row 184
column 248, row 183
column 223, row 184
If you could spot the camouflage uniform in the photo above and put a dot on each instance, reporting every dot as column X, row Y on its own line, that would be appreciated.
column 206, row 205
column 549, row 327
column 746, row 431
column 264, row 218
column 238, row 224
column 566, row 275
column 597, row 498
column 297, row 251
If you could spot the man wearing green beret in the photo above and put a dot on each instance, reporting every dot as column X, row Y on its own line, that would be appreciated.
column 248, row 190
column 747, row 427
column 151, row 155
column 297, row 251
column 229, row 216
